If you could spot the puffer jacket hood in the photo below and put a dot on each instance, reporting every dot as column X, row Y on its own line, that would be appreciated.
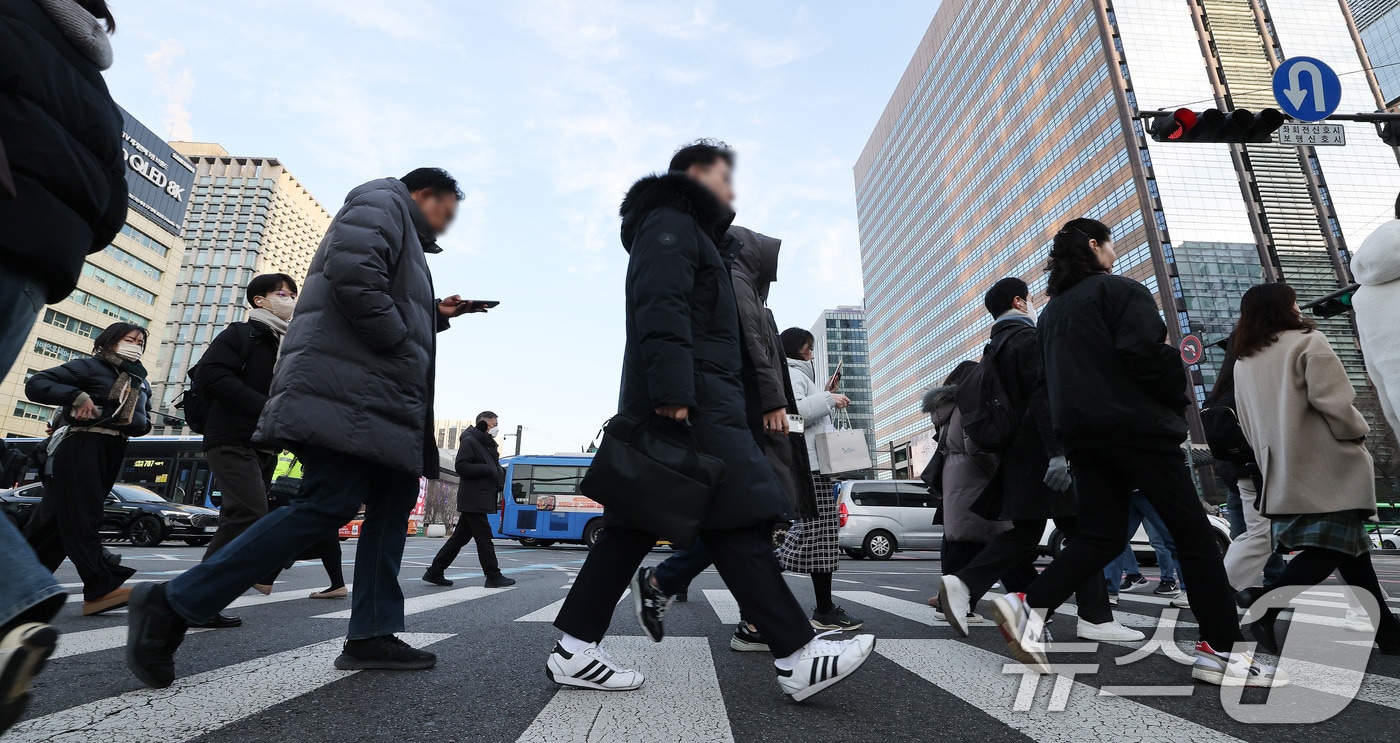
column 1377, row 261
column 938, row 402
column 676, row 191
column 757, row 257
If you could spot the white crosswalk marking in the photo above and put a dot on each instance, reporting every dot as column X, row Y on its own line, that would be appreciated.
column 428, row 602
column 975, row 676
column 680, row 701
column 94, row 640
column 196, row 705
column 545, row 613
column 911, row 610
column 277, row 597
column 724, row 604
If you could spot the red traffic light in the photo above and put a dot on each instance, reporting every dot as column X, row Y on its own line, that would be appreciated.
column 1173, row 128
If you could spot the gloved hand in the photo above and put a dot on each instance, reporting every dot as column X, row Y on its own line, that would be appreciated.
column 1057, row 475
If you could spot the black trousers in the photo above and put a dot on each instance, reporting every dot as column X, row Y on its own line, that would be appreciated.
column 1009, row 555
column 470, row 526
column 743, row 557
column 1312, row 566
column 243, row 475
column 68, row 521
column 1103, row 480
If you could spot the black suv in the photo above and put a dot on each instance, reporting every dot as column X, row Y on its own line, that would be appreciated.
column 131, row 513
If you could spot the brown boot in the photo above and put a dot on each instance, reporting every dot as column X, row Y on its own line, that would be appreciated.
column 114, row 600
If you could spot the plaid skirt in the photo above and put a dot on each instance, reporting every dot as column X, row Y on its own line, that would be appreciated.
column 1344, row 531
column 811, row 545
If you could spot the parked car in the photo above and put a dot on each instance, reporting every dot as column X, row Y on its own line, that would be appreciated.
column 1052, row 541
column 131, row 513
column 878, row 518
column 1384, row 537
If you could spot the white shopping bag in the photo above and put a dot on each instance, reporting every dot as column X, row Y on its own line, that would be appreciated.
column 842, row 450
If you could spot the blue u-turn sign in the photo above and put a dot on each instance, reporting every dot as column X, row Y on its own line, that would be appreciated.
column 1307, row 89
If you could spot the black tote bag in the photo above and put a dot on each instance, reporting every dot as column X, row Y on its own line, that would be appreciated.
column 649, row 474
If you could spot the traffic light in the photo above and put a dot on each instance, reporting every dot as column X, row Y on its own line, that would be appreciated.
column 1214, row 125
column 1390, row 133
column 1333, row 304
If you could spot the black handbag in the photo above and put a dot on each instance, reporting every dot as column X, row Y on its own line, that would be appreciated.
column 649, row 474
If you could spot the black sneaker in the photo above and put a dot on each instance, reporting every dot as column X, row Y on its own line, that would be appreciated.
column 220, row 621
column 1166, row 587
column 836, row 619
column 746, row 640
column 436, row 578
column 651, row 604
column 498, row 581
column 682, row 596
column 153, row 633
column 1133, row 582
column 383, row 653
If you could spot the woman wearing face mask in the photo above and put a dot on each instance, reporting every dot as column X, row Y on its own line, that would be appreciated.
column 105, row 400
column 1117, row 407
column 811, row 546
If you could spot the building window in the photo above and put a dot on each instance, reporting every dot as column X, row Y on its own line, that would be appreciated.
column 30, row 411
column 63, row 353
column 132, row 262
column 107, row 308
column 104, row 276
column 71, row 324
column 144, row 240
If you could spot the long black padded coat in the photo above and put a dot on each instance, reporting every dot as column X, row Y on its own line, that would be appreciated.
column 683, row 340
column 358, row 361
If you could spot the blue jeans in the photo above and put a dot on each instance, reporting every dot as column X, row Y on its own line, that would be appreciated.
column 26, row 584
column 335, row 485
column 1141, row 513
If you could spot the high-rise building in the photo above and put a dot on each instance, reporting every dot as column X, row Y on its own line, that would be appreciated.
column 841, row 339
column 247, row 215
column 130, row 280
column 1378, row 22
column 1011, row 119
column 449, row 432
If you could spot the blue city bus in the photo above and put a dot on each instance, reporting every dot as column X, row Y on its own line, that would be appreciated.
column 542, row 504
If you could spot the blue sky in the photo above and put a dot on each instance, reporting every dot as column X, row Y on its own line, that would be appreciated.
column 545, row 111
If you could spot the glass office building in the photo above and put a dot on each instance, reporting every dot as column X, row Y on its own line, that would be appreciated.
column 1008, row 122
column 247, row 215
column 841, row 339
column 1378, row 22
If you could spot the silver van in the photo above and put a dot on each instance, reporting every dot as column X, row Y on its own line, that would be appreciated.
column 881, row 517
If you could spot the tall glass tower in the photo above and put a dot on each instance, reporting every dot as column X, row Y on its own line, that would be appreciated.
column 841, row 339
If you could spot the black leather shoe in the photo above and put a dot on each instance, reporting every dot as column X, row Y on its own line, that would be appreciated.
column 153, row 633
column 220, row 621
column 499, row 581
column 437, row 579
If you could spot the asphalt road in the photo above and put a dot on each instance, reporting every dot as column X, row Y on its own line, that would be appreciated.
column 272, row 679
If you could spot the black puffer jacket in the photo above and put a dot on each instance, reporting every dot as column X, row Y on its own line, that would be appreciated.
column 683, row 341
column 63, row 135
column 1112, row 380
column 236, row 373
column 358, row 362
column 479, row 465
column 62, row 384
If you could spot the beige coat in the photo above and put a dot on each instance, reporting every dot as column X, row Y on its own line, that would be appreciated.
column 1295, row 404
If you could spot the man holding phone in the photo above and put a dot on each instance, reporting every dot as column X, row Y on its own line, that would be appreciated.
column 352, row 396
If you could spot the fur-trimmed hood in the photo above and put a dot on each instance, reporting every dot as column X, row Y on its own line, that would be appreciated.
column 676, row 191
column 939, row 403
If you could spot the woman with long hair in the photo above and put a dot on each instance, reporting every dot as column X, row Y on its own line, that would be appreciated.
column 811, row 545
column 1295, row 406
column 105, row 400
column 1118, row 408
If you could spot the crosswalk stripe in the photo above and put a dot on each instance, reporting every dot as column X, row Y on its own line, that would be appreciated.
column 722, row 601
column 680, row 700
column 93, row 641
column 545, row 613
column 277, row 597
column 911, row 610
column 428, row 602
column 199, row 704
column 975, row 676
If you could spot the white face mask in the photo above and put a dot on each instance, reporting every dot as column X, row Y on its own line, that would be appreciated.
column 129, row 351
column 1031, row 311
column 280, row 306
column 493, row 431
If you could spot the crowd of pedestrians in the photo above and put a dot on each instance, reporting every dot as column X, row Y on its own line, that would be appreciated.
column 323, row 399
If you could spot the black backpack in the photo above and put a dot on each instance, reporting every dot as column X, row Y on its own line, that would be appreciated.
column 989, row 421
column 194, row 404
column 1224, row 435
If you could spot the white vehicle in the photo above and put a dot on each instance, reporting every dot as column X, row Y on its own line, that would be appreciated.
column 881, row 517
column 1053, row 540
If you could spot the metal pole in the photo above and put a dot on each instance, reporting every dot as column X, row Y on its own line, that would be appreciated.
column 893, row 475
column 518, row 430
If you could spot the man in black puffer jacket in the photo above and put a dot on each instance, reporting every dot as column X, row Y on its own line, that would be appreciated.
column 479, row 466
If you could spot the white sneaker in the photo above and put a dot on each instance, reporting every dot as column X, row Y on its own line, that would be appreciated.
column 1181, row 601
column 1233, row 669
column 971, row 617
column 1113, row 599
column 590, row 668
column 953, row 600
column 1024, row 630
column 823, row 663
column 1110, row 631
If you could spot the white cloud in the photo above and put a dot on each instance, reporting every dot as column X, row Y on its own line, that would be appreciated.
column 176, row 85
column 404, row 20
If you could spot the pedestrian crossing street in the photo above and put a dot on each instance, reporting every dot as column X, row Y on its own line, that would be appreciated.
column 273, row 677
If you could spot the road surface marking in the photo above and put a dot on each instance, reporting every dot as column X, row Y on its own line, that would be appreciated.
column 199, row 704
column 913, row 611
column 544, row 613
column 975, row 676
column 680, row 700
column 897, row 588
column 428, row 602
column 722, row 601
column 277, row 597
column 93, row 641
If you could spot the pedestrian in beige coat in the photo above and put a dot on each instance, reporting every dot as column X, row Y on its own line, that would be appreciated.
column 1295, row 405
